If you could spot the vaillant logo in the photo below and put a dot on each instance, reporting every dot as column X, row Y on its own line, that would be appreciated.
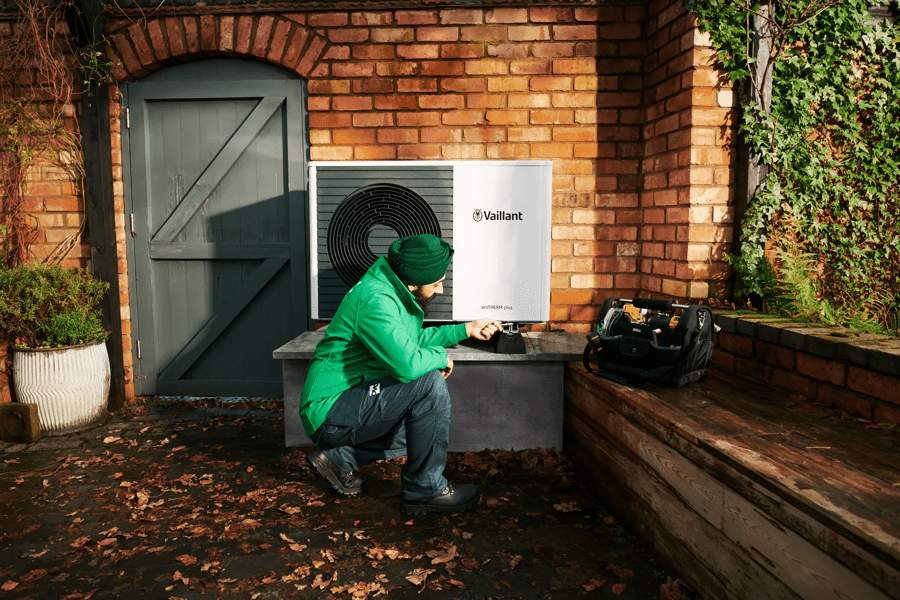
column 487, row 215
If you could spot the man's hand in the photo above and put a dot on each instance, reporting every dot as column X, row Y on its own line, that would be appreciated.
column 449, row 368
column 483, row 329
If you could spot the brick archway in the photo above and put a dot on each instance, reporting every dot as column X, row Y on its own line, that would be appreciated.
column 138, row 49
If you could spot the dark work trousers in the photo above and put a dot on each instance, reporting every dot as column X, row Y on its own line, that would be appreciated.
column 385, row 418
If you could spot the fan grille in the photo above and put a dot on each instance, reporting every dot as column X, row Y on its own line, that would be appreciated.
column 364, row 215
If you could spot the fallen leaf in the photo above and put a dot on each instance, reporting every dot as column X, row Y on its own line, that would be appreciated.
column 178, row 448
column 117, row 475
column 566, row 507
column 593, row 584
column 186, row 559
column 80, row 542
column 619, row 589
column 447, row 556
column 9, row 585
column 419, row 576
column 111, row 439
column 514, row 561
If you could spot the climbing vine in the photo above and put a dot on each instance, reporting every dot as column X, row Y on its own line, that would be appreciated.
column 38, row 129
column 830, row 139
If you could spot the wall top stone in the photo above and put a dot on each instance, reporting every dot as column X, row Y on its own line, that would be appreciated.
column 873, row 351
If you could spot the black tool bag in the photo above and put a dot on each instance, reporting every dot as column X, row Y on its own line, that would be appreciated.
column 645, row 340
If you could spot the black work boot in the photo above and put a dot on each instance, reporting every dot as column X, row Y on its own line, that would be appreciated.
column 343, row 482
column 454, row 499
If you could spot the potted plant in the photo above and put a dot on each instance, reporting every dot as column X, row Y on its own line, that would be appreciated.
column 48, row 317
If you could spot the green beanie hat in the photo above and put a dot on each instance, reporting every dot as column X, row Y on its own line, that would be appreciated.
column 420, row 259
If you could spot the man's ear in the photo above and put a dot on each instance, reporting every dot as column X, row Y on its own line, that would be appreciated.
column 413, row 288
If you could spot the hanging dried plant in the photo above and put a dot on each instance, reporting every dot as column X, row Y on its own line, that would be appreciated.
column 37, row 120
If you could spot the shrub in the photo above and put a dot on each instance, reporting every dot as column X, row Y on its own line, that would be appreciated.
column 50, row 306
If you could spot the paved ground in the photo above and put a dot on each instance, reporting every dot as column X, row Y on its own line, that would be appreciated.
column 206, row 502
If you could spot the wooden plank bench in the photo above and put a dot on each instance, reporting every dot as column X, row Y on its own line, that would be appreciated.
column 499, row 401
column 748, row 491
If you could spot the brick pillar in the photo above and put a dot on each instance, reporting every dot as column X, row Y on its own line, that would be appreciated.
column 687, row 198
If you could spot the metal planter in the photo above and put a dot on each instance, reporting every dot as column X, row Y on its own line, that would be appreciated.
column 69, row 385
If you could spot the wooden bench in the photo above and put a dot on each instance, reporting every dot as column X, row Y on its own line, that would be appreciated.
column 747, row 491
column 499, row 401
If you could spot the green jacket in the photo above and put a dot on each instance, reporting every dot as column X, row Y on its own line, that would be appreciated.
column 376, row 332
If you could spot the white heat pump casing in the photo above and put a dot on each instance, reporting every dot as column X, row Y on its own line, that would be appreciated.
column 499, row 227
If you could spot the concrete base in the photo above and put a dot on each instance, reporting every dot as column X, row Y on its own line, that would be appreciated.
column 500, row 401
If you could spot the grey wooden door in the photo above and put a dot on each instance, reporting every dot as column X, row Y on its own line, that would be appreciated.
column 215, row 161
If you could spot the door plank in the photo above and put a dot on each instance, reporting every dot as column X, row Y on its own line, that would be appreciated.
column 217, row 251
column 221, row 319
column 218, row 168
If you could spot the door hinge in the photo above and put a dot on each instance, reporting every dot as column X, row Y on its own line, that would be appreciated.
column 139, row 349
column 133, row 234
column 127, row 118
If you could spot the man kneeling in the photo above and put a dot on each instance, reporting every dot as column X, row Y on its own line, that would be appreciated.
column 375, row 387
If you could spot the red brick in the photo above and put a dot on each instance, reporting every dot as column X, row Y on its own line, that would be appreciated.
column 752, row 369
column 310, row 56
column 887, row 414
column 263, row 33
column 398, row 136
column 244, row 31
column 574, row 32
column 846, row 401
column 462, row 51
column 463, row 84
column 507, row 117
column 351, row 103
column 551, row 15
column 556, row 50
column 795, row 383
column 373, row 52
column 174, row 35
column 874, row 384
column 141, row 46
column 375, row 153
column 483, row 33
column 396, row 69
column 416, row 17
column 372, row 18
column 157, row 39
column 279, row 40
column 437, row 34
column 373, row 119
column 353, row 69
column 419, row 51
column 571, row 297
column 419, row 119
column 328, row 19
column 723, row 360
column 738, row 344
column 329, row 120
column 419, row 152
column 372, row 86
column 833, row 372
column 443, row 68
column 461, row 17
column 396, row 102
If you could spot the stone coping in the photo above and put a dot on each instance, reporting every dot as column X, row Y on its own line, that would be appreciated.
column 543, row 346
column 872, row 351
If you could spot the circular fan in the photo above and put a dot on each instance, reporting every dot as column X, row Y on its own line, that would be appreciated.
column 372, row 217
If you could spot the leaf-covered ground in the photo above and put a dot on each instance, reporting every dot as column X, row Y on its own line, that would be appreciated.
column 193, row 502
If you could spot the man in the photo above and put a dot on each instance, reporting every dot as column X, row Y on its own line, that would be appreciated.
column 375, row 387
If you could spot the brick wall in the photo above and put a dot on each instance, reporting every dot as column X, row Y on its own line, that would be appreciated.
column 856, row 373
column 623, row 99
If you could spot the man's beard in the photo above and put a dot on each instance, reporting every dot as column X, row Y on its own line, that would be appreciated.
column 422, row 301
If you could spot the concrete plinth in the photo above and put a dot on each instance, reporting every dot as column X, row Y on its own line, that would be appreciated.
column 499, row 401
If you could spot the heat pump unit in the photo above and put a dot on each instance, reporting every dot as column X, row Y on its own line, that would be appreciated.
column 495, row 214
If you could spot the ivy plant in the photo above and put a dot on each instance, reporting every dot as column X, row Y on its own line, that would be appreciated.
column 829, row 137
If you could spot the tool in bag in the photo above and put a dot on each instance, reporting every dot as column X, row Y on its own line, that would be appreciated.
column 644, row 340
